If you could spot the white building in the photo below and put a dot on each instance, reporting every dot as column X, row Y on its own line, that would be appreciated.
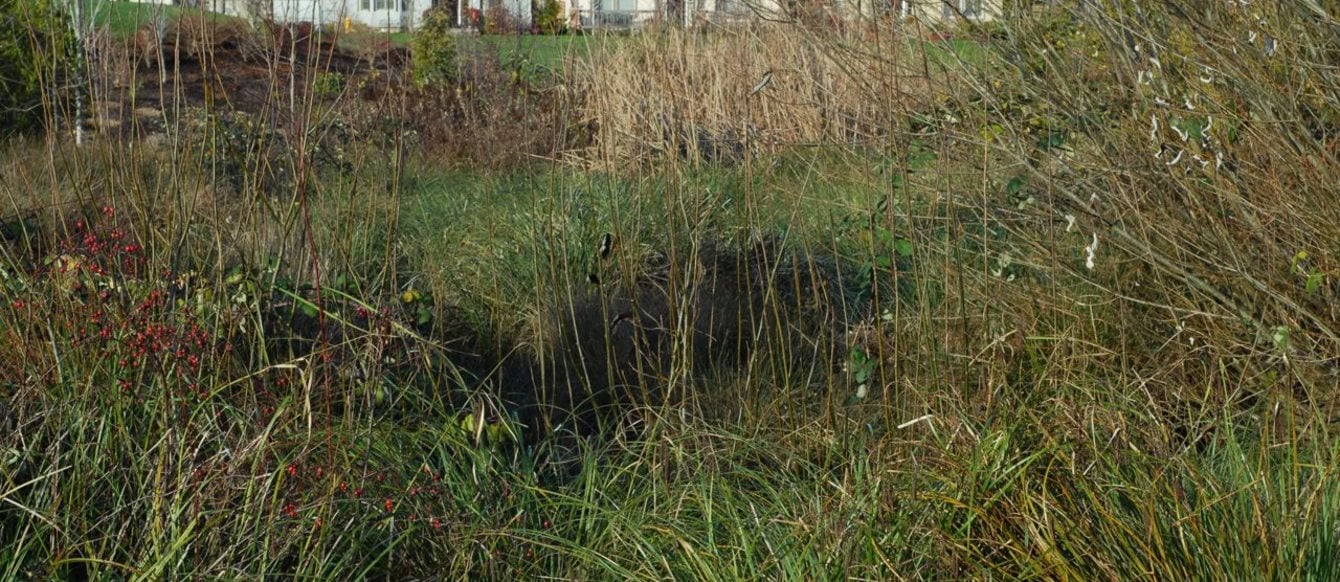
column 632, row 13
column 241, row 8
column 392, row 14
column 949, row 10
column 469, row 11
column 612, row 13
column 381, row 14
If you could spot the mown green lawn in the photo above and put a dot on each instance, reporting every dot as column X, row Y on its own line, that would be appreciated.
column 122, row 19
column 549, row 52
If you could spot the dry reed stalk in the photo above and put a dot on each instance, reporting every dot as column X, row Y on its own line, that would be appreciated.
column 736, row 90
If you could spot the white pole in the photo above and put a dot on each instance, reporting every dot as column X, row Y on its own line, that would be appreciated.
column 79, row 73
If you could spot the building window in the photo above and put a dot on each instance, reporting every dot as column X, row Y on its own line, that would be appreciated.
column 968, row 8
column 380, row 5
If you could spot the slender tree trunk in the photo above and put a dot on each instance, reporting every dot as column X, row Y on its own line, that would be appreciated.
column 81, row 53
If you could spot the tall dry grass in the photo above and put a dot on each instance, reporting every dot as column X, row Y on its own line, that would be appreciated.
column 1148, row 184
column 1123, row 249
column 756, row 88
column 1191, row 162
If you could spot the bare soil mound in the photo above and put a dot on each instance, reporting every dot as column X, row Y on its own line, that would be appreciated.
column 273, row 72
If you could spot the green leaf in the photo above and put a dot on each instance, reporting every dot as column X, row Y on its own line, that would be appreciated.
column 859, row 364
column 1016, row 184
column 857, row 356
column 235, row 277
column 1314, row 281
column 1280, row 337
column 884, row 236
column 1194, row 127
column 466, row 424
column 1298, row 259
column 903, row 247
column 1054, row 139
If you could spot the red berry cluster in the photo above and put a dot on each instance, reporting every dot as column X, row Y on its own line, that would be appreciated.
column 152, row 340
column 99, row 252
column 311, row 491
column 104, row 299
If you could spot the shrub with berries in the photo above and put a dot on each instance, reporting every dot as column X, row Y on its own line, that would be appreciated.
column 97, row 295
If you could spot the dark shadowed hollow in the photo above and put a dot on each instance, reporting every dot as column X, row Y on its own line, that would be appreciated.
column 625, row 342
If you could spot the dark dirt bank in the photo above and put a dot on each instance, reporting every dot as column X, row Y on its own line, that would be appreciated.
column 229, row 67
column 608, row 349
